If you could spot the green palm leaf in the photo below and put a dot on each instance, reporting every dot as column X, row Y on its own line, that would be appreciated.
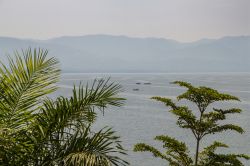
column 36, row 130
column 28, row 77
column 80, row 107
column 93, row 149
column 63, row 128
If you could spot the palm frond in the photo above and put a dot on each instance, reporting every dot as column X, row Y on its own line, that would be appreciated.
column 80, row 107
column 29, row 76
column 65, row 122
column 93, row 149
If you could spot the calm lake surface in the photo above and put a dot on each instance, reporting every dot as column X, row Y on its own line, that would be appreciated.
column 141, row 119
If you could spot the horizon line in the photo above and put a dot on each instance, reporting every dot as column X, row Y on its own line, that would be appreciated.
column 125, row 36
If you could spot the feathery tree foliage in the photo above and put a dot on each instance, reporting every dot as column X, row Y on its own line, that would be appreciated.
column 207, row 122
column 36, row 130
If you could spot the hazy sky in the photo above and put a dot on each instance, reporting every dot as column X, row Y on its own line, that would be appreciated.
column 183, row 20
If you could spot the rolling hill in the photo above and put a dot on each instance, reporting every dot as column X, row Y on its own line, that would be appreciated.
column 106, row 53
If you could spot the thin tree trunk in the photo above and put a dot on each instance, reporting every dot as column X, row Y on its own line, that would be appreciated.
column 197, row 151
column 198, row 137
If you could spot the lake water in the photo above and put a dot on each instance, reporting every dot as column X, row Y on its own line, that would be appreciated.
column 141, row 119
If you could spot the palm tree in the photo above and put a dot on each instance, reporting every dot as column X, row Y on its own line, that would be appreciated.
column 37, row 130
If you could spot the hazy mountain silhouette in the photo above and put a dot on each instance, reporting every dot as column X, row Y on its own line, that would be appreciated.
column 105, row 53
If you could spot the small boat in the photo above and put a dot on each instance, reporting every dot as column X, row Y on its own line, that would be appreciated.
column 138, row 83
column 135, row 89
column 147, row 83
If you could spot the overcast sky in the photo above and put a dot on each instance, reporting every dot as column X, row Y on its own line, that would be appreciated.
column 183, row 20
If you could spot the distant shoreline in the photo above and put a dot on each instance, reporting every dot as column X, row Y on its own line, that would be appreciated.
column 170, row 73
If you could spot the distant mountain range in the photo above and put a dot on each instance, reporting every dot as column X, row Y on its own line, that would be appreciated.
column 105, row 53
